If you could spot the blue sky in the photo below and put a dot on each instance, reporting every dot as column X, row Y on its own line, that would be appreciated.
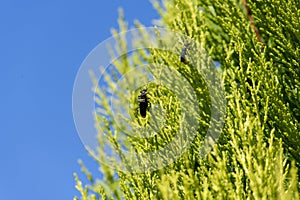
column 42, row 45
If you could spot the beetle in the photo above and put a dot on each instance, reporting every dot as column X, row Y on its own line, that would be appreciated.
column 183, row 53
column 144, row 103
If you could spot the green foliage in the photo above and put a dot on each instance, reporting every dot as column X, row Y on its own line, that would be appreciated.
column 258, row 153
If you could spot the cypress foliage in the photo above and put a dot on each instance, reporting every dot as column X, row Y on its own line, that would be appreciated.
column 257, row 43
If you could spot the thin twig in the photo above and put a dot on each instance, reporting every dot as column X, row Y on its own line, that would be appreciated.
column 251, row 19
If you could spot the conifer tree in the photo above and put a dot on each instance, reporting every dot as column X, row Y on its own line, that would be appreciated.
column 257, row 156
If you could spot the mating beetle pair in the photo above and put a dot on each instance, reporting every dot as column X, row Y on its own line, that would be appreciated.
column 144, row 103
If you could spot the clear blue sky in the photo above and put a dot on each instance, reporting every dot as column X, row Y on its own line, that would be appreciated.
column 42, row 45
